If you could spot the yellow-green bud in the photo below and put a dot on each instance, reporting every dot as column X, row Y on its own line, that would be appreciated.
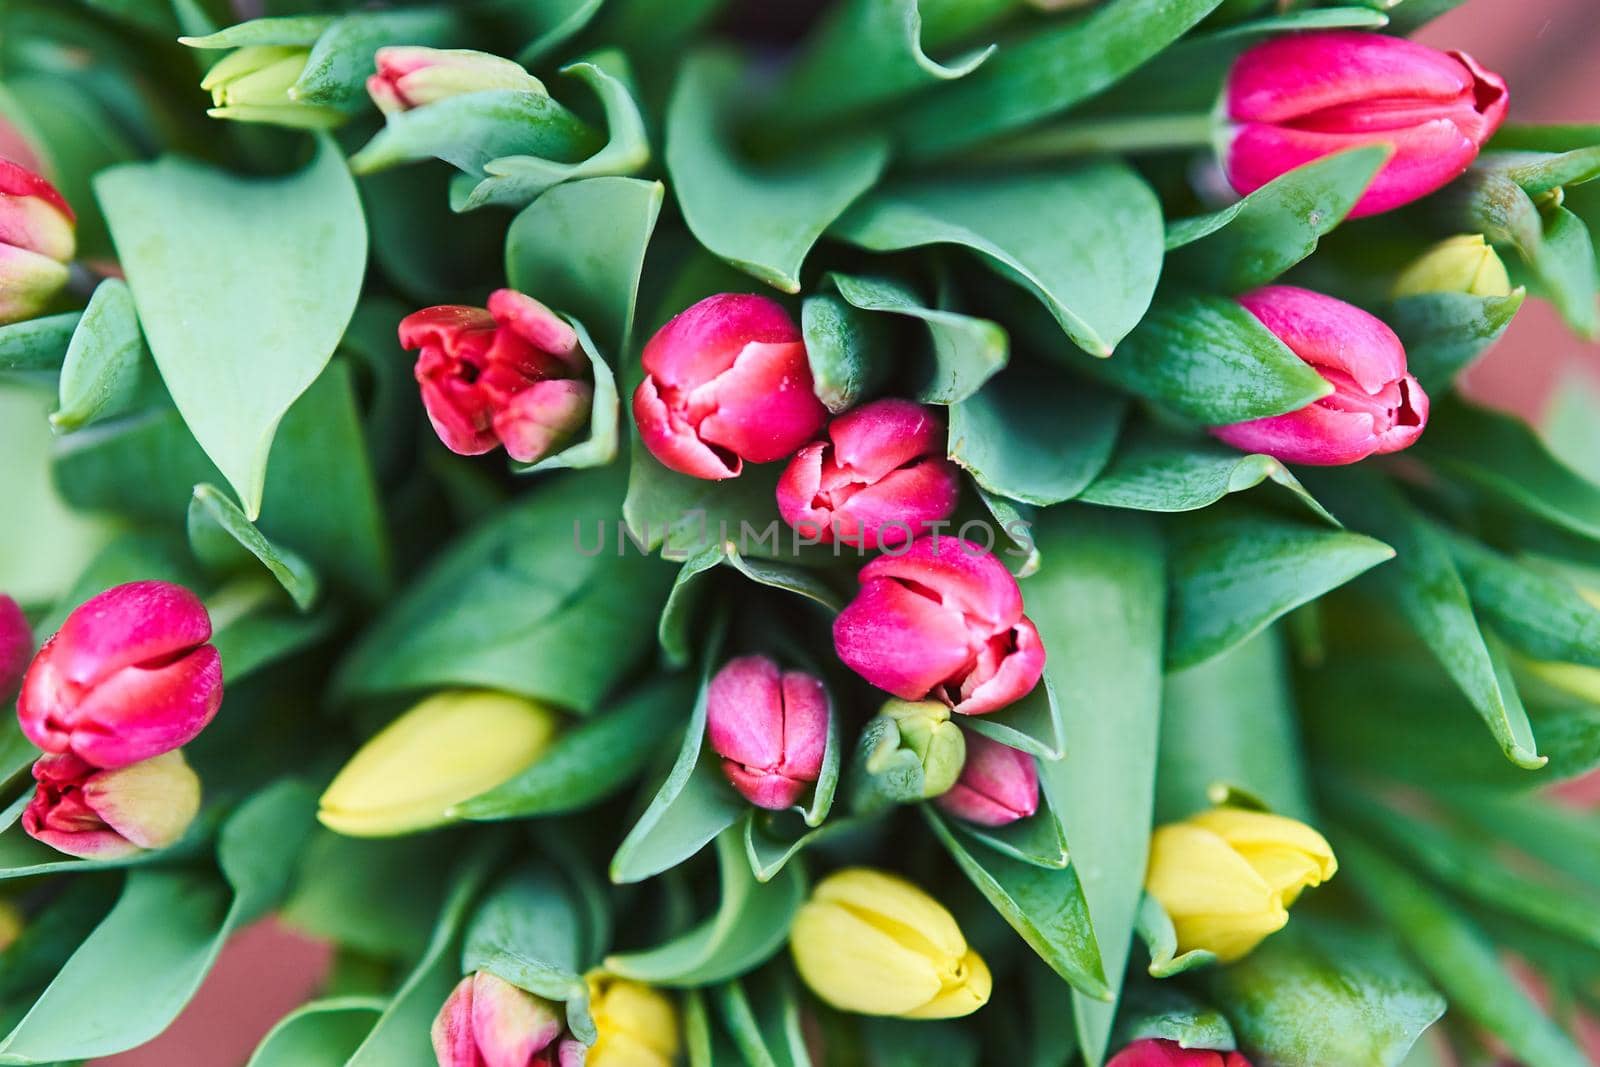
column 253, row 85
column 1465, row 263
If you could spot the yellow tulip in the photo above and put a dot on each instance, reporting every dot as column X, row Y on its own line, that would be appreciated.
column 637, row 1025
column 447, row 749
column 874, row 944
column 1462, row 264
column 1226, row 877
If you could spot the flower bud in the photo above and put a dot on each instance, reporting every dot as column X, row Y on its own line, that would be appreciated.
column 414, row 75
column 915, row 752
column 998, row 784
column 255, row 84
column 1226, row 877
column 637, row 1026
column 38, row 236
column 16, row 646
column 1465, row 263
column 871, row 943
column 1375, row 407
column 508, row 375
column 1152, row 1052
column 449, row 748
column 941, row 620
column 726, row 381
column 1299, row 97
column 769, row 728
column 99, row 814
column 879, row 478
column 128, row 676
column 488, row 1022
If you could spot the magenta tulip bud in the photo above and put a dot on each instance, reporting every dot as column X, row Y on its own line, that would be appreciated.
column 1375, row 406
column 942, row 620
column 726, row 381
column 488, row 1022
column 1296, row 98
column 770, row 729
column 128, row 676
column 38, row 236
column 16, row 646
column 878, row 480
column 507, row 375
column 411, row 76
column 998, row 784
column 1153, row 1052
column 98, row 814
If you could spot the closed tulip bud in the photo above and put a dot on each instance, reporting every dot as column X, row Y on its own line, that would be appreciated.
column 870, row 943
column 85, row 811
column 1227, row 877
column 1151, row 1052
column 636, row 1026
column 1462, row 264
column 128, row 676
column 16, row 646
column 913, row 751
column 1375, row 407
column 1301, row 96
column 998, row 784
column 413, row 76
column 38, row 236
column 769, row 727
column 942, row 620
column 256, row 84
column 879, row 478
column 447, row 749
column 507, row 375
column 726, row 381
column 488, row 1022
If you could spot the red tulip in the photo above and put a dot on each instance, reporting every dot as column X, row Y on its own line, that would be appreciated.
column 16, row 646
column 1296, row 98
column 770, row 729
column 943, row 620
column 1153, row 1053
column 85, row 811
column 1375, row 406
column 37, row 241
column 726, row 381
column 998, row 784
column 879, row 478
column 509, row 375
column 128, row 676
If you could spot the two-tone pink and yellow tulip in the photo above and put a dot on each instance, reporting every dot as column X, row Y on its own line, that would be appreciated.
column 38, row 237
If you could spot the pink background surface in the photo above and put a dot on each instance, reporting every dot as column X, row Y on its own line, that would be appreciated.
column 1549, row 52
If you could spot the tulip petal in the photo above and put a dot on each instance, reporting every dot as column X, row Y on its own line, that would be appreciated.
column 673, row 441
column 900, row 640
column 851, row 963
column 150, row 803
column 1215, row 898
column 965, row 994
column 16, row 646
column 126, row 625
column 703, row 340
column 744, row 712
column 141, row 712
column 509, row 1024
column 451, row 1033
column 960, row 574
column 763, row 407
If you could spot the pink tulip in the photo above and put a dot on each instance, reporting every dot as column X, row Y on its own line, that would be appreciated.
column 1296, row 98
column 509, row 375
column 16, row 646
column 770, row 729
column 726, row 381
column 488, row 1022
column 879, row 479
column 128, row 676
column 943, row 620
column 1375, row 406
column 411, row 76
column 998, row 784
column 1153, row 1053
column 37, row 241
column 85, row 811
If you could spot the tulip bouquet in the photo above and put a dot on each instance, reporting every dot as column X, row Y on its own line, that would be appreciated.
column 887, row 532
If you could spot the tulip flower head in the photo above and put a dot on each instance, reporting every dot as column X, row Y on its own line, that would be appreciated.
column 411, row 76
column 16, row 646
column 918, row 752
column 871, row 943
column 998, row 784
column 1465, row 263
column 1227, row 877
column 256, row 84
column 726, row 381
column 85, row 811
column 1152, row 1052
column 1376, row 407
column 488, row 1022
column 879, row 478
column 1301, row 96
column 129, row 675
column 511, row 374
column 942, row 620
column 636, row 1026
column 769, row 727
column 38, row 236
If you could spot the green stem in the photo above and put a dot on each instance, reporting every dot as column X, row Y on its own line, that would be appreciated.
column 1105, row 136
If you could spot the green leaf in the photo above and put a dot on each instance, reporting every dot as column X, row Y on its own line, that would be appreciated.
column 771, row 840
column 763, row 1015
column 375, row 896
column 1085, row 240
column 37, row 344
column 100, row 376
column 750, row 925
column 320, row 1033
column 1037, row 839
column 916, row 1042
column 1537, row 613
column 1155, row 929
column 342, row 56
column 244, row 287
column 1207, row 358
column 845, row 348
column 471, row 130
column 1564, row 263
column 685, row 516
column 708, row 1045
column 529, row 931
column 558, row 21
column 1166, row 1013
column 300, row 30
column 1444, row 332
column 219, row 531
column 764, row 219
column 1035, row 724
column 1542, row 172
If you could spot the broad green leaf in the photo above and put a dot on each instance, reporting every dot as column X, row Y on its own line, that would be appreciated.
column 376, row 896
column 772, row 839
column 302, row 30
column 1155, row 929
column 762, row 1013
column 763, row 219
column 1033, row 724
column 1164, row 1013
column 1564, row 263
column 37, row 345
column 244, row 287
column 262, row 634
column 100, row 376
column 684, row 515
column 219, row 533
column 1085, row 240
column 557, row 21
column 471, row 130
column 1564, row 838
column 127, row 557
column 848, row 350
column 342, row 58
column 320, row 1033
column 1543, row 172
column 1536, row 612
column 529, row 931
column 1444, row 332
